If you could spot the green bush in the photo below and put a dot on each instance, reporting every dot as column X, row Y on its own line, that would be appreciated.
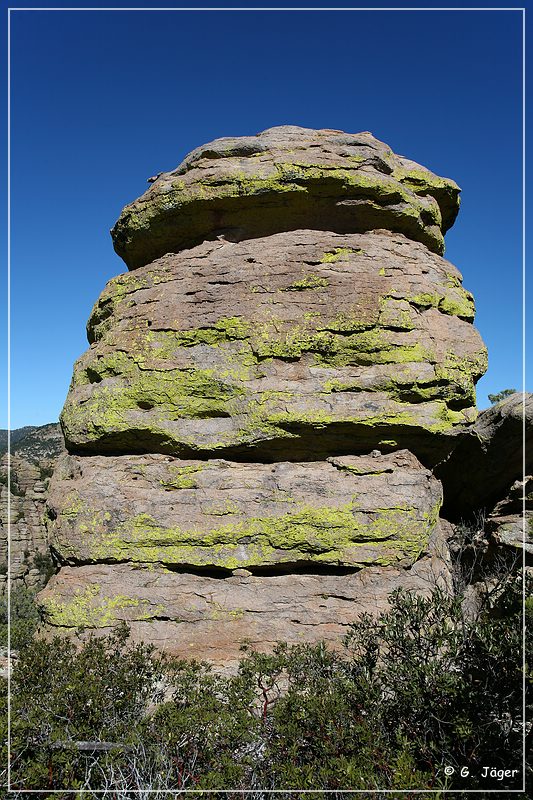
column 43, row 562
column 24, row 617
column 62, row 696
column 416, row 690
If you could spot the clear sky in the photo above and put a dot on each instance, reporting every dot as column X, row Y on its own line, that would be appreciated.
column 101, row 100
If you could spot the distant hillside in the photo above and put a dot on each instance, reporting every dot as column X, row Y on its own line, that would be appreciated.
column 16, row 435
column 34, row 443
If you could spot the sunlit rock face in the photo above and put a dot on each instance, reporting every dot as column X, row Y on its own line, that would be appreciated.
column 285, row 179
column 295, row 345
column 252, row 431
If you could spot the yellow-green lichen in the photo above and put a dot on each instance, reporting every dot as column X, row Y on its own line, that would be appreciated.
column 182, row 477
column 87, row 608
column 175, row 394
column 180, row 217
column 309, row 281
column 327, row 534
column 339, row 254
column 455, row 302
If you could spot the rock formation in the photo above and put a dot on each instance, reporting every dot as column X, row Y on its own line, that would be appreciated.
column 253, row 430
column 490, row 453
column 34, row 452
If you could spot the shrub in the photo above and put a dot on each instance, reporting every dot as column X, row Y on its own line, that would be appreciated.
column 24, row 617
column 43, row 562
column 417, row 689
column 97, row 694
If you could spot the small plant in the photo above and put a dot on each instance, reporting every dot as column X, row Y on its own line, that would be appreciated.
column 43, row 562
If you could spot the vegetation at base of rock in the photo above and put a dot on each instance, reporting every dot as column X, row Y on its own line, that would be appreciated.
column 499, row 396
column 421, row 687
column 24, row 617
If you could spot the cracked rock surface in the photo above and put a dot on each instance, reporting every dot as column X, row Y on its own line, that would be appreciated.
column 348, row 511
column 207, row 617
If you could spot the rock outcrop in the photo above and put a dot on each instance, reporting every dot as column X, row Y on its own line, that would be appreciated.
column 348, row 511
column 306, row 342
column 252, row 431
column 510, row 523
column 35, row 451
column 489, row 458
column 285, row 179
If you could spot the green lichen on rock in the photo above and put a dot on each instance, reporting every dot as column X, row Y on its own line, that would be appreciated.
column 325, row 534
column 309, row 281
column 175, row 393
column 182, row 477
column 282, row 191
column 88, row 609
column 423, row 182
column 339, row 254
column 142, row 390
column 456, row 302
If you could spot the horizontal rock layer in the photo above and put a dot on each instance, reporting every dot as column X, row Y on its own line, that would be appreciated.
column 286, row 178
column 307, row 343
column 349, row 511
column 204, row 617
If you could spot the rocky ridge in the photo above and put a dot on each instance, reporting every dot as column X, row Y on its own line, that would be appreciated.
column 256, row 433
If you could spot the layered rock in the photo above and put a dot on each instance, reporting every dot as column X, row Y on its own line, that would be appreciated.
column 32, row 462
column 252, row 428
column 305, row 342
column 346, row 511
column 209, row 616
column 286, row 178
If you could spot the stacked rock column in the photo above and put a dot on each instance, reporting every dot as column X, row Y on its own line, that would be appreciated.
column 252, row 431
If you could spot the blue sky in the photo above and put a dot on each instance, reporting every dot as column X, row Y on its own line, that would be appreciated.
column 101, row 100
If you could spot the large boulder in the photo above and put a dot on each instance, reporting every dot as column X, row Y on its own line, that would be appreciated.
column 251, row 431
column 298, row 345
column 488, row 458
column 286, row 178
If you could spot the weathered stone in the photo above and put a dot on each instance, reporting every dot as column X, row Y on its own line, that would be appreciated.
column 238, row 428
column 34, row 451
column 349, row 511
column 510, row 523
column 489, row 458
column 206, row 617
column 283, row 179
column 305, row 342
